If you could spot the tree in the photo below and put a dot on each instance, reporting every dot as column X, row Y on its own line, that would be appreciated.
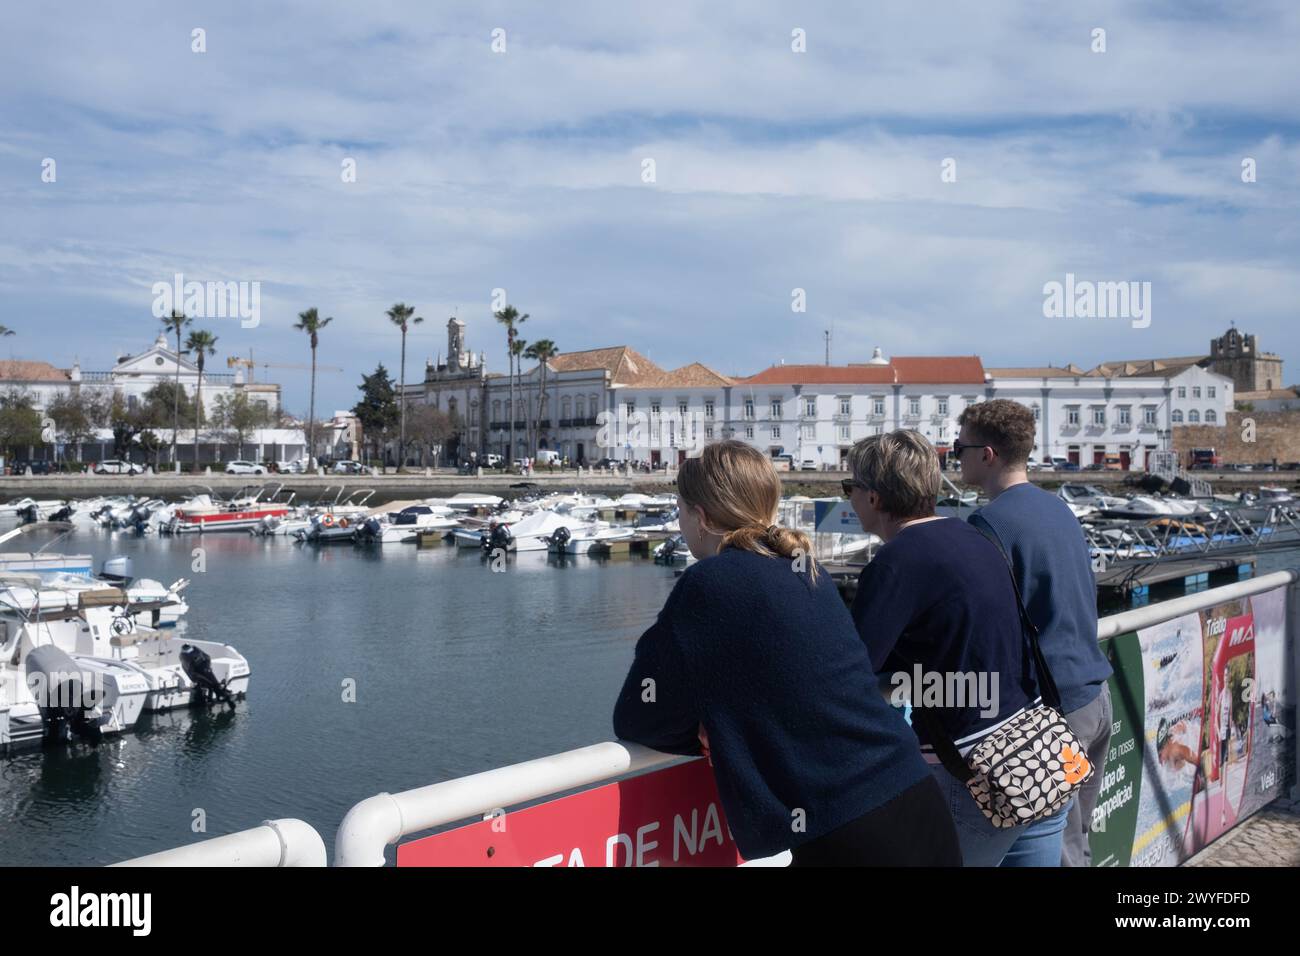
column 202, row 344
column 176, row 322
column 377, row 409
column 5, row 330
column 78, row 415
column 311, row 323
column 542, row 351
column 126, row 422
column 20, row 423
column 511, row 319
column 149, row 443
column 167, row 403
column 430, row 428
column 238, row 416
column 401, row 316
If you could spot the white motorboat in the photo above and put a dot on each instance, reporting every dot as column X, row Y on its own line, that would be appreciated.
column 94, row 625
column 674, row 551
column 339, row 521
column 587, row 538
column 407, row 523
column 1148, row 506
column 47, row 693
column 1089, row 496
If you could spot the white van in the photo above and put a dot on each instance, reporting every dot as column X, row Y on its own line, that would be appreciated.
column 547, row 456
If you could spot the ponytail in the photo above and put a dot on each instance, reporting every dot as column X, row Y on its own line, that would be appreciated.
column 774, row 541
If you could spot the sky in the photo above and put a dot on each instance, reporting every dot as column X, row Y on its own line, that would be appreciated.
column 504, row 145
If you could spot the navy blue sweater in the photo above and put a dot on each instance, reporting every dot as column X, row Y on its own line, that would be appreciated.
column 939, row 595
column 772, row 667
column 1054, row 572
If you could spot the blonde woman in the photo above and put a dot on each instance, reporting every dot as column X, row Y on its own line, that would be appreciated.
column 755, row 653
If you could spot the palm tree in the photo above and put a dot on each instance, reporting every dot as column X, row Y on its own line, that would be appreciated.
column 517, row 353
column 511, row 319
column 175, row 323
column 541, row 351
column 400, row 316
column 201, row 344
column 5, row 330
column 311, row 323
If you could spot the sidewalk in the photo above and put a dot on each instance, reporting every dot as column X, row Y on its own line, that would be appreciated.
column 1269, row 838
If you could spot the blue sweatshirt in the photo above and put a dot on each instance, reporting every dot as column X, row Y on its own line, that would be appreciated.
column 772, row 667
column 939, row 596
column 1046, row 545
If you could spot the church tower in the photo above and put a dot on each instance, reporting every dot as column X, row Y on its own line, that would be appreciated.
column 1237, row 356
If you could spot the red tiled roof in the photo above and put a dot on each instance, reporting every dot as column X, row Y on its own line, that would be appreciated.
column 901, row 370
column 625, row 365
column 19, row 370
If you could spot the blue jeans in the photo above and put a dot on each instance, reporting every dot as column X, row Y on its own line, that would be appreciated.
column 983, row 844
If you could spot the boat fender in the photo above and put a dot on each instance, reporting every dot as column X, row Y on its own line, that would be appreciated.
column 343, row 522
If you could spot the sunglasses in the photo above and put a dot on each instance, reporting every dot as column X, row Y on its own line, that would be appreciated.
column 848, row 484
column 959, row 447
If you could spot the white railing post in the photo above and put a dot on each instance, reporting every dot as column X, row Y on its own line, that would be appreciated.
column 382, row 820
column 276, row 843
column 1293, row 637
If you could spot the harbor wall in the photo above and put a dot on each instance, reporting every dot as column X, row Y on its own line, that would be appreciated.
column 1275, row 436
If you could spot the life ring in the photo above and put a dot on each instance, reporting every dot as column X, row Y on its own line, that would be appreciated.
column 343, row 522
column 327, row 521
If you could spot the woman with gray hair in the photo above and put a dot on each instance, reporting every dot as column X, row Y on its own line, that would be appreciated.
column 938, row 612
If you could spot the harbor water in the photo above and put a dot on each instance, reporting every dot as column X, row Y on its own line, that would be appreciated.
column 373, row 669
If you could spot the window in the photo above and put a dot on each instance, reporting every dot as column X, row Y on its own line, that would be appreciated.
column 1210, row 391
column 1148, row 414
column 749, row 408
column 1194, row 417
column 631, row 408
column 1177, row 416
column 654, row 409
column 1038, row 412
column 807, row 432
column 914, row 406
column 1125, row 415
column 844, row 433
column 708, row 411
column 496, row 410
column 776, row 408
column 943, row 406
column 1099, row 415
column 565, row 409
column 1072, row 414
column 846, row 406
column 810, row 407
column 593, row 402
column 1196, row 391
column 877, row 406
column 708, row 432
column 580, row 407
column 1182, row 391
column 776, row 431
column 1211, row 417
column 749, row 431
column 681, row 410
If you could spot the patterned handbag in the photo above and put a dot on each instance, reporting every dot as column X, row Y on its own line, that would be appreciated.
column 1032, row 765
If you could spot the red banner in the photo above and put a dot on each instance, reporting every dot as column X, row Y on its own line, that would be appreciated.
column 669, row 817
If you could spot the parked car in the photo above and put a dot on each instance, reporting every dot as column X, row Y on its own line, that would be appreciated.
column 348, row 467
column 1033, row 464
column 1241, row 466
column 493, row 460
column 244, row 468
column 1094, row 466
column 1067, row 466
column 607, row 463
column 1059, row 463
column 808, row 464
column 1289, row 466
column 1112, row 463
column 114, row 466
column 37, row 467
column 295, row 467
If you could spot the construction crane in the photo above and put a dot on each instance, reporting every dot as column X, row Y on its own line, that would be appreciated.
column 250, row 364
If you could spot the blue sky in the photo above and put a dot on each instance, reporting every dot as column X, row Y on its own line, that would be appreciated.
column 775, row 170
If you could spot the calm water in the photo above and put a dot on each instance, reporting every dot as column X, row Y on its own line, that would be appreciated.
column 457, row 669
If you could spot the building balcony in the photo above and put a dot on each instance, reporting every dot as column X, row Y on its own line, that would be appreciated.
column 876, row 418
column 843, row 417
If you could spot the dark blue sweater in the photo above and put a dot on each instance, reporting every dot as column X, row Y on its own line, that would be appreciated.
column 1054, row 572
column 940, row 596
column 772, row 667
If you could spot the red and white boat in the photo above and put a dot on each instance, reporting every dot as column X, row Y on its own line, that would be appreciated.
column 239, row 514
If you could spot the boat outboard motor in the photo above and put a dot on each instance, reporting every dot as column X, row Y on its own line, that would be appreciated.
column 560, row 536
column 198, row 668
column 669, row 549
column 63, row 514
column 498, row 537
column 27, row 515
column 62, row 697
column 370, row 528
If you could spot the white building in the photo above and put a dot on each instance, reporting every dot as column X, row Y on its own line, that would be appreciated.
column 1123, row 409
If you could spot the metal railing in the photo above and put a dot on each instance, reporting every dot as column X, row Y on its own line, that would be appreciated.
column 1226, row 532
column 277, row 843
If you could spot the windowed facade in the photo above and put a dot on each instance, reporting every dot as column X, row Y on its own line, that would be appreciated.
column 749, row 408
column 1072, row 415
column 943, row 407
column 846, row 405
column 1125, row 416
column 1177, row 416
column 810, row 407
column 1099, row 415
column 708, row 408
column 775, row 409
column 1193, row 417
column 1211, row 417
column 1149, row 415
column 877, row 406
column 913, row 407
